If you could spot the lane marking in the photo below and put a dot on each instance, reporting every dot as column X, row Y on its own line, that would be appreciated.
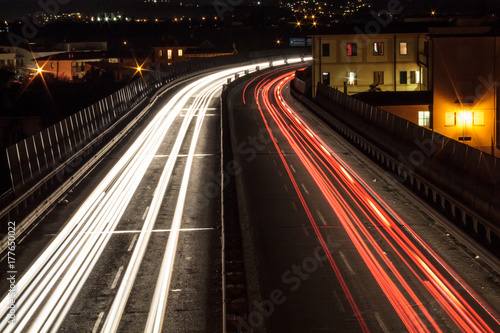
column 346, row 263
column 131, row 246
column 321, row 218
column 198, row 109
column 276, row 164
column 98, row 322
column 294, row 206
column 279, row 173
column 338, row 301
column 304, row 187
column 176, row 290
column 183, row 155
column 306, row 231
column 286, row 187
column 140, row 231
column 291, row 167
column 117, row 277
column 197, row 115
column 145, row 213
column 380, row 322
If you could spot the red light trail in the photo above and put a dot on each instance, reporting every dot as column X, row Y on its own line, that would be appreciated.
column 338, row 183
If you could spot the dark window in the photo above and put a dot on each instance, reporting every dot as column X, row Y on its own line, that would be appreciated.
column 378, row 78
column 352, row 49
column 326, row 78
column 378, row 49
column 326, row 50
column 403, row 77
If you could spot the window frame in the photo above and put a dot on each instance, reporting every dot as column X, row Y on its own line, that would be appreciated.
column 446, row 115
column 325, row 47
column 323, row 77
column 476, row 123
column 354, row 49
column 406, row 48
column 424, row 118
column 376, row 75
column 355, row 80
column 380, row 51
column 405, row 77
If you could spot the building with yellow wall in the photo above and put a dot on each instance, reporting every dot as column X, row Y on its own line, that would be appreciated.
column 460, row 65
column 395, row 62
column 466, row 73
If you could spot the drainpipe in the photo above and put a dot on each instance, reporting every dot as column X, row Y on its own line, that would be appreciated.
column 395, row 74
column 320, row 51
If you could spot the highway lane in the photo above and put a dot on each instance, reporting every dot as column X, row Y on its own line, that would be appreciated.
column 331, row 254
column 147, row 233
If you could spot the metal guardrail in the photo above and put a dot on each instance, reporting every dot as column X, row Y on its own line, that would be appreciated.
column 463, row 181
column 45, row 160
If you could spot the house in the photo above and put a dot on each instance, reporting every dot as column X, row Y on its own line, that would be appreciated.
column 465, row 75
column 354, row 62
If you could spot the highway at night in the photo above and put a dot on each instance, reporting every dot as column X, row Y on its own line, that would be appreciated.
column 333, row 244
column 330, row 243
column 135, row 245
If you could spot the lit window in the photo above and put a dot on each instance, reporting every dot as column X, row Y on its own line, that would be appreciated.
column 353, row 78
column 326, row 78
column 169, row 54
column 403, row 48
column 378, row 49
column 414, row 77
column 179, row 52
column 352, row 49
column 161, row 53
column 478, row 118
column 378, row 78
column 424, row 118
column 450, row 119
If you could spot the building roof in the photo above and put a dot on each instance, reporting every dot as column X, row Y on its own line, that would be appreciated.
column 376, row 28
column 75, row 56
column 388, row 98
column 208, row 51
column 87, row 55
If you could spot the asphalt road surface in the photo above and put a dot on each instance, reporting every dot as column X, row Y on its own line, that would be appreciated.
column 135, row 246
column 331, row 244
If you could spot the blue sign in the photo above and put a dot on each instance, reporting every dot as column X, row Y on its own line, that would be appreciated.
column 297, row 42
column 301, row 41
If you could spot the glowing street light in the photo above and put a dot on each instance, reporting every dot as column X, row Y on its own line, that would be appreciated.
column 467, row 117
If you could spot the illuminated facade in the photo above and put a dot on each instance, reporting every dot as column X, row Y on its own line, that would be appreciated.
column 168, row 55
column 74, row 65
column 393, row 62
column 466, row 69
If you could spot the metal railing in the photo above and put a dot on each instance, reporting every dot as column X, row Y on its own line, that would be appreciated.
column 464, row 181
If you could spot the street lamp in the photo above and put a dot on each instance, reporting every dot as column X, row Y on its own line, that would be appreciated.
column 466, row 117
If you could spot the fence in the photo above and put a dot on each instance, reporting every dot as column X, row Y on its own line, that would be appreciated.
column 34, row 158
column 467, row 180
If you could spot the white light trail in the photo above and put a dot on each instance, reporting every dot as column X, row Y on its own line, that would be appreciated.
column 46, row 291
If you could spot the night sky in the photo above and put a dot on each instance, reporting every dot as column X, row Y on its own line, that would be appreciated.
column 11, row 9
